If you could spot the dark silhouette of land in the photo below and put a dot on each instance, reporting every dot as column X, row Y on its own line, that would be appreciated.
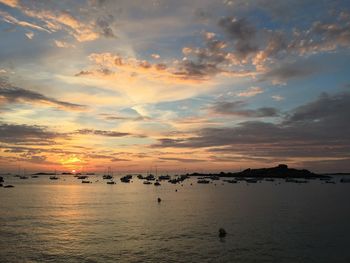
column 280, row 171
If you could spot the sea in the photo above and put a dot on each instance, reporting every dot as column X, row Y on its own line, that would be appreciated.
column 43, row 220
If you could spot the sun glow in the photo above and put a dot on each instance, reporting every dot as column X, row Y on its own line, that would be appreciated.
column 72, row 163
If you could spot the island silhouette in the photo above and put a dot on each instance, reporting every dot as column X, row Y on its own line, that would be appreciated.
column 280, row 171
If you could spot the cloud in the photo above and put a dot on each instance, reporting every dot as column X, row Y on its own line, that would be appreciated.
column 319, row 128
column 327, row 109
column 175, row 72
column 215, row 58
column 11, row 3
column 242, row 33
column 328, row 165
column 155, row 56
column 63, row 20
column 251, row 92
column 236, row 108
column 111, row 117
column 322, row 36
column 63, row 44
column 52, row 19
column 11, row 94
column 6, row 17
column 102, row 133
column 277, row 97
column 182, row 160
column 27, row 134
column 29, row 35
column 276, row 43
column 104, row 24
column 290, row 70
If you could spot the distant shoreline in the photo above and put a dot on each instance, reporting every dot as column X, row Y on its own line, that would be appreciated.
column 280, row 171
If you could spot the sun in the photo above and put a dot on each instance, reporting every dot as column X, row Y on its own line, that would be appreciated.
column 73, row 171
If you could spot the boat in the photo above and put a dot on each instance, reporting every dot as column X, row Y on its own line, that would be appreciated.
column 147, row 182
column 35, row 176
column 150, row 177
column 324, row 178
column 222, row 233
column 203, row 181
column 82, row 177
column 157, row 183
column 23, row 177
column 126, row 178
column 85, row 182
column 108, row 175
column 250, row 180
column 329, row 182
column 53, row 178
column 231, row 181
column 164, row 177
column 111, row 182
column 8, row 186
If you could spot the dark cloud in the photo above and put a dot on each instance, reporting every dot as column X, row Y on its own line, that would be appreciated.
column 102, row 133
column 331, row 165
column 327, row 107
column 115, row 159
column 27, row 134
column 317, row 129
column 236, row 108
column 242, row 33
column 287, row 71
column 230, row 158
column 197, row 70
column 83, row 73
column 103, row 23
column 104, row 156
column 102, row 71
column 183, row 160
column 203, row 62
column 11, row 94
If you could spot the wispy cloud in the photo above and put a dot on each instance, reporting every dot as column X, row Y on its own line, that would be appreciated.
column 237, row 108
column 251, row 92
column 12, row 94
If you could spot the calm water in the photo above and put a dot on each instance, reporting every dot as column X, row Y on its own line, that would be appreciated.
column 66, row 221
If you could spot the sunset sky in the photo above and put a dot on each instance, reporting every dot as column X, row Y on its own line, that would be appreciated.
column 198, row 85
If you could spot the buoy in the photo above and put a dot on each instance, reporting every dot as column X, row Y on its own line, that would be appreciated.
column 175, row 190
column 222, row 232
column 159, row 200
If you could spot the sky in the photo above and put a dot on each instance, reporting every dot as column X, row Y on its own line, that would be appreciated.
column 177, row 86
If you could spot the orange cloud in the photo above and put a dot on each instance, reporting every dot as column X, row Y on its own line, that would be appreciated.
column 11, row 3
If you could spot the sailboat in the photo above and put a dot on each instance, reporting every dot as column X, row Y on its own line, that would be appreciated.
column 108, row 176
column 23, row 176
column 54, row 177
